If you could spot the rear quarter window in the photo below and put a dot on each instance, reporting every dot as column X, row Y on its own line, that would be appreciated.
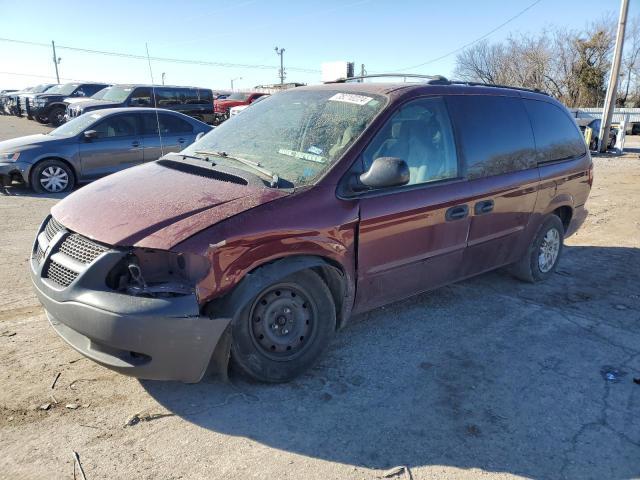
column 556, row 135
column 494, row 134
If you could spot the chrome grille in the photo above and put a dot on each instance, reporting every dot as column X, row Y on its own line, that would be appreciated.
column 53, row 227
column 60, row 275
column 81, row 249
column 39, row 253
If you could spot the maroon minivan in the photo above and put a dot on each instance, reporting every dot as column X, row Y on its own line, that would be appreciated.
column 259, row 241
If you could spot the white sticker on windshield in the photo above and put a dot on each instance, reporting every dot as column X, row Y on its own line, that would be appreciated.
column 351, row 98
column 305, row 156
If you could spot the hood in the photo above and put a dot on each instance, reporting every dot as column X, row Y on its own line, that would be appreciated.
column 49, row 97
column 91, row 104
column 29, row 141
column 72, row 100
column 155, row 206
column 230, row 103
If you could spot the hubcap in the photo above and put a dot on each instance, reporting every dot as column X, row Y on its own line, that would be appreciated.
column 54, row 179
column 549, row 250
column 282, row 321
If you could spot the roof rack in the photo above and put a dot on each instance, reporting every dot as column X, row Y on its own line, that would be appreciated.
column 432, row 79
column 495, row 85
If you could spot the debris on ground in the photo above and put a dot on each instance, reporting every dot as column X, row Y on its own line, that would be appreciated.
column 612, row 374
column 45, row 406
column 72, row 406
column 7, row 334
column 76, row 461
column 399, row 470
column 55, row 380
column 146, row 417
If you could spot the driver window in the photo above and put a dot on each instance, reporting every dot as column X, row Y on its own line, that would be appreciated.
column 420, row 134
column 116, row 126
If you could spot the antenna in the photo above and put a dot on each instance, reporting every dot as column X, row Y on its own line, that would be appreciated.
column 155, row 102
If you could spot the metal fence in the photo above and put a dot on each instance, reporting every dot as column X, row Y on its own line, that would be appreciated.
column 618, row 114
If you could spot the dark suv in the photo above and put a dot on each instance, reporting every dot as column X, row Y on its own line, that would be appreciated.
column 192, row 101
column 49, row 107
column 259, row 241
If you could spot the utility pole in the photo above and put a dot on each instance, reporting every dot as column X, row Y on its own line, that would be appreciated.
column 163, row 75
column 56, row 60
column 612, row 88
column 232, row 80
column 281, row 73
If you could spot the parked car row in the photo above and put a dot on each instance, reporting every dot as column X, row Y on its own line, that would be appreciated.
column 55, row 104
column 222, row 106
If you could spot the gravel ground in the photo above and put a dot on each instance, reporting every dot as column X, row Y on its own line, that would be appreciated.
column 488, row 378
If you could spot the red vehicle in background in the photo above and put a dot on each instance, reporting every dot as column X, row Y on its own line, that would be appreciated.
column 221, row 107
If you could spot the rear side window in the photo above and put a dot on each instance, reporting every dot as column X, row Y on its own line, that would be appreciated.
column 494, row 134
column 557, row 136
column 141, row 97
column 169, row 124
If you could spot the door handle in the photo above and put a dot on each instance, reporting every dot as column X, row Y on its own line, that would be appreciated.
column 457, row 213
column 135, row 143
column 483, row 207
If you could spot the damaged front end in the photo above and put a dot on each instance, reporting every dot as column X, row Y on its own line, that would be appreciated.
column 133, row 310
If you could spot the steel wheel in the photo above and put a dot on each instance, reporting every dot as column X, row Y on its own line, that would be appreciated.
column 54, row 179
column 549, row 250
column 282, row 321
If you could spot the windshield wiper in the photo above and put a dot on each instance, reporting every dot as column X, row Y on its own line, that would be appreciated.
column 184, row 155
column 273, row 177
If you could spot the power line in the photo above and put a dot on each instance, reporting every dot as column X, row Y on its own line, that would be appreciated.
column 158, row 59
column 36, row 75
column 474, row 41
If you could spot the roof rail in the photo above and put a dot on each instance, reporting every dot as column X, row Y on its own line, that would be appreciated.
column 432, row 79
column 495, row 85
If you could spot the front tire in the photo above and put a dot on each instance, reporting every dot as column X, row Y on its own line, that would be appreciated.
column 542, row 256
column 56, row 116
column 284, row 329
column 52, row 176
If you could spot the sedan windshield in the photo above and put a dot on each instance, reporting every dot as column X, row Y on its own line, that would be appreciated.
column 117, row 94
column 77, row 125
column 66, row 89
column 297, row 134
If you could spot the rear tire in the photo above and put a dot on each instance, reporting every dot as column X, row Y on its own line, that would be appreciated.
column 284, row 329
column 52, row 176
column 543, row 255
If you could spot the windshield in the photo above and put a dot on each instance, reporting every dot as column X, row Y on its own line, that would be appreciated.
column 43, row 87
column 296, row 134
column 238, row 96
column 117, row 94
column 99, row 95
column 66, row 89
column 77, row 125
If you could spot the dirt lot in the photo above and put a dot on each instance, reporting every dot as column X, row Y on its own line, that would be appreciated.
column 487, row 378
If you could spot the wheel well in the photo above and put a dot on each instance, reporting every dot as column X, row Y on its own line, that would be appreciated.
column 565, row 213
column 334, row 277
column 67, row 163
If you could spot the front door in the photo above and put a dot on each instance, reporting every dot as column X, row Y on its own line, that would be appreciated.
column 117, row 146
column 412, row 238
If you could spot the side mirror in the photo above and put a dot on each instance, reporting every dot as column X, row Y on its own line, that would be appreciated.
column 386, row 172
column 90, row 134
column 199, row 136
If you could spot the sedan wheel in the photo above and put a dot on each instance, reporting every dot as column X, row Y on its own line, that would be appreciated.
column 52, row 176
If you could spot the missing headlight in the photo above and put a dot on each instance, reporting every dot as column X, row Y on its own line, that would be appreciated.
column 156, row 273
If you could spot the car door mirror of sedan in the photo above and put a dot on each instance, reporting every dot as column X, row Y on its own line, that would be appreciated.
column 199, row 136
column 90, row 134
column 386, row 172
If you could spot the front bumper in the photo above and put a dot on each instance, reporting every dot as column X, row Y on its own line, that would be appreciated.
column 150, row 338
column 10, row 171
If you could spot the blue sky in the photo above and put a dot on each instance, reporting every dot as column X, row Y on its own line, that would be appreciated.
column 384, row 35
